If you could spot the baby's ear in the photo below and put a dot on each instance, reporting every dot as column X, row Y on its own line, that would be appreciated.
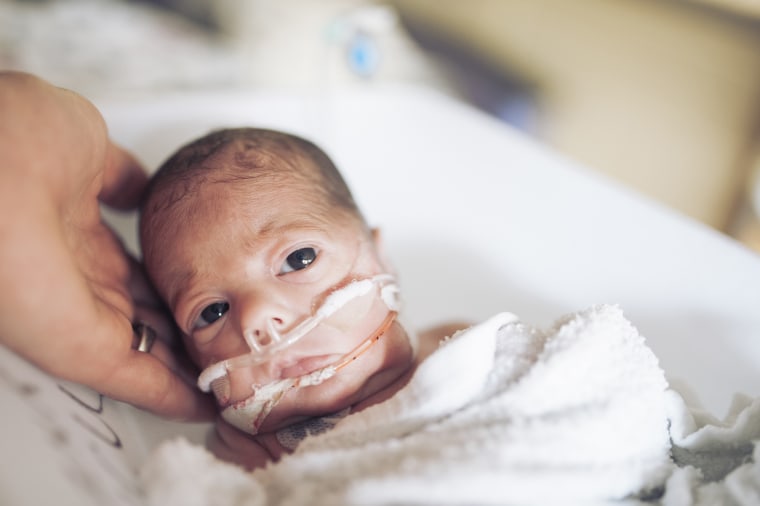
column 377, row 241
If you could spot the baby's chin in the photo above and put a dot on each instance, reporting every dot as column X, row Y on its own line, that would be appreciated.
column 374, row 374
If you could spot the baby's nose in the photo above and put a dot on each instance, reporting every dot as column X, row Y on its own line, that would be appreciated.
column 263, row 318
column 266, row 332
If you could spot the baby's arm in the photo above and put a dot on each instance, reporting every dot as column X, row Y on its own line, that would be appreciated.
column 231, row 445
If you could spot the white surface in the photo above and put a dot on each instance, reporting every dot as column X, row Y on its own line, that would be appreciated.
column 477, row 219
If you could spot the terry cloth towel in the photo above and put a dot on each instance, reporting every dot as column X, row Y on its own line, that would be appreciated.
column 719, row 461
column 501, row 413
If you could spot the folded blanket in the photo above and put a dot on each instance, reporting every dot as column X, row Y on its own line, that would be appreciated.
column 502, row 413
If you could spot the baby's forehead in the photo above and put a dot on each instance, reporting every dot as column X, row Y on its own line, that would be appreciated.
column 229, row 194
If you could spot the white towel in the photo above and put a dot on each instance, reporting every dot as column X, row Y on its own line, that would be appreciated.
column 719, row 461
column 502, row 413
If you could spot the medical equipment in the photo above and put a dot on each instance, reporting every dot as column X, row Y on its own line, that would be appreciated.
column 343, row 327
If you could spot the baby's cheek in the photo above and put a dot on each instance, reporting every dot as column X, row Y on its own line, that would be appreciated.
column 197, row 356
column 401, row 345
column 217, row 345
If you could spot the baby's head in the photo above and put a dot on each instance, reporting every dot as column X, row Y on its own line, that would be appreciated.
column 253, row 240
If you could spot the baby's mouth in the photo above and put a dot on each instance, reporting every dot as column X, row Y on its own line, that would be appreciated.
column 248, row 414
column 302, row 366
column 279, row 371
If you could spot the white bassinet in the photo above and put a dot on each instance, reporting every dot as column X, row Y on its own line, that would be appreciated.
column 477, row 220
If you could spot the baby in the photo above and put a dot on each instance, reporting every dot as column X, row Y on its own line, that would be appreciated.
column 279, row 287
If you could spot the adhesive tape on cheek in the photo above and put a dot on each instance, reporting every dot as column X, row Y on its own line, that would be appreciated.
column 249, row 414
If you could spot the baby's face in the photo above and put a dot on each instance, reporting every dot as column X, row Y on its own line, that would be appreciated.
column 232, row 263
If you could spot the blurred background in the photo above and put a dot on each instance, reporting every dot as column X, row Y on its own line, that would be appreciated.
column 660, row 95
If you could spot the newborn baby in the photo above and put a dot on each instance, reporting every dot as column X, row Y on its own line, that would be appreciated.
column 279, row 287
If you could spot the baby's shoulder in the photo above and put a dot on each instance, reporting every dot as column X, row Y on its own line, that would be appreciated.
column 430, row 338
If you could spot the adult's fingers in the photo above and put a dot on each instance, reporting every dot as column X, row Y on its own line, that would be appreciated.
column 124, row 179
column 145, row 381
column 104, row 359
column 168, row 345
column 148, row 306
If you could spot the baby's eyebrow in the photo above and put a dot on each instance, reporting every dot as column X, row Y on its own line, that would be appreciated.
column 273, row 228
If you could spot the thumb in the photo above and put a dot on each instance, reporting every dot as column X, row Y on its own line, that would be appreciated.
column 124, row 179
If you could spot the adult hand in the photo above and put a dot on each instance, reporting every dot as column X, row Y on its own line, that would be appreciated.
column 67, row 298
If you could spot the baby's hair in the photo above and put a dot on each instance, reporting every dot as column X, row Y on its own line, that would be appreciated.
column 258, row 154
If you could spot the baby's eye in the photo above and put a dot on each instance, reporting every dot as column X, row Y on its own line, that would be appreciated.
column 299, row 259
column 210, row 314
